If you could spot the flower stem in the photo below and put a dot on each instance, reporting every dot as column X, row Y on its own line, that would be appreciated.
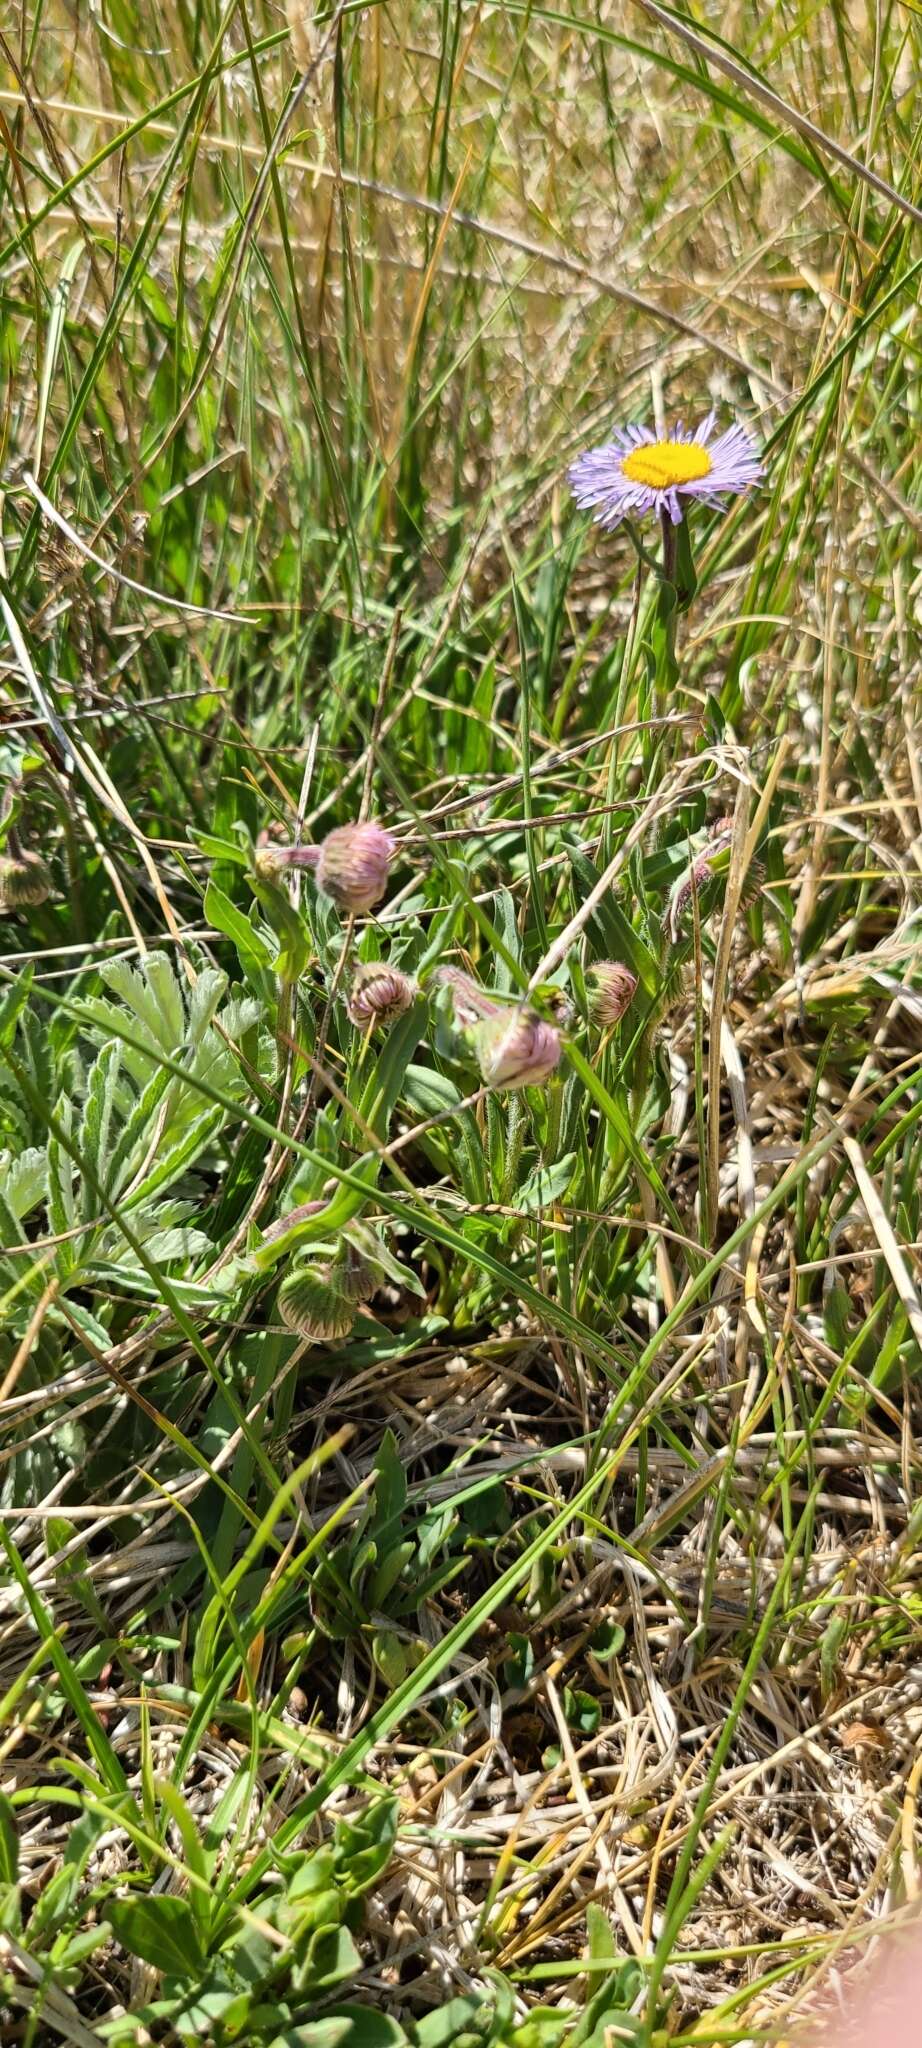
column 644, row 1055
column 668, row 667
column 670, row 534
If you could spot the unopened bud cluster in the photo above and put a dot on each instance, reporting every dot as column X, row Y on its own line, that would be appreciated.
column 319, row 1297
column 515, row 1045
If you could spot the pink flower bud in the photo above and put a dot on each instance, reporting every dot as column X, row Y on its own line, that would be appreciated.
column 353, row 865
column 517, row 1049
column 25, row 879
column 700, row 872
column 469, row 1001
column 613, row 988
column 379, row 995
column 692, row 882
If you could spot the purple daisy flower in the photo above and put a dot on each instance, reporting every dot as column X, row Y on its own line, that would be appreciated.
column 636, row 472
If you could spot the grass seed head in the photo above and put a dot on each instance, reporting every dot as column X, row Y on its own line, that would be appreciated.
column 303, row 31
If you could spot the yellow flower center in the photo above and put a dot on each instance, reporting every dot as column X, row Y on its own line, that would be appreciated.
column 667, row 463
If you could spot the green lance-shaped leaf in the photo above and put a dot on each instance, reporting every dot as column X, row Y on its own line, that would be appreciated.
column 95, row 1138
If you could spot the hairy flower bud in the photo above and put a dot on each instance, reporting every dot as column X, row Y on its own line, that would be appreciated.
column 379, row 995
column 720, row 835
column 469, row 1001
column 311, row 1303
column 517, row 1049
column 353, row 1275
column 353, row 865
column 613, row 988
column 700, row 872
column 269, row 862
column 24, row 879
